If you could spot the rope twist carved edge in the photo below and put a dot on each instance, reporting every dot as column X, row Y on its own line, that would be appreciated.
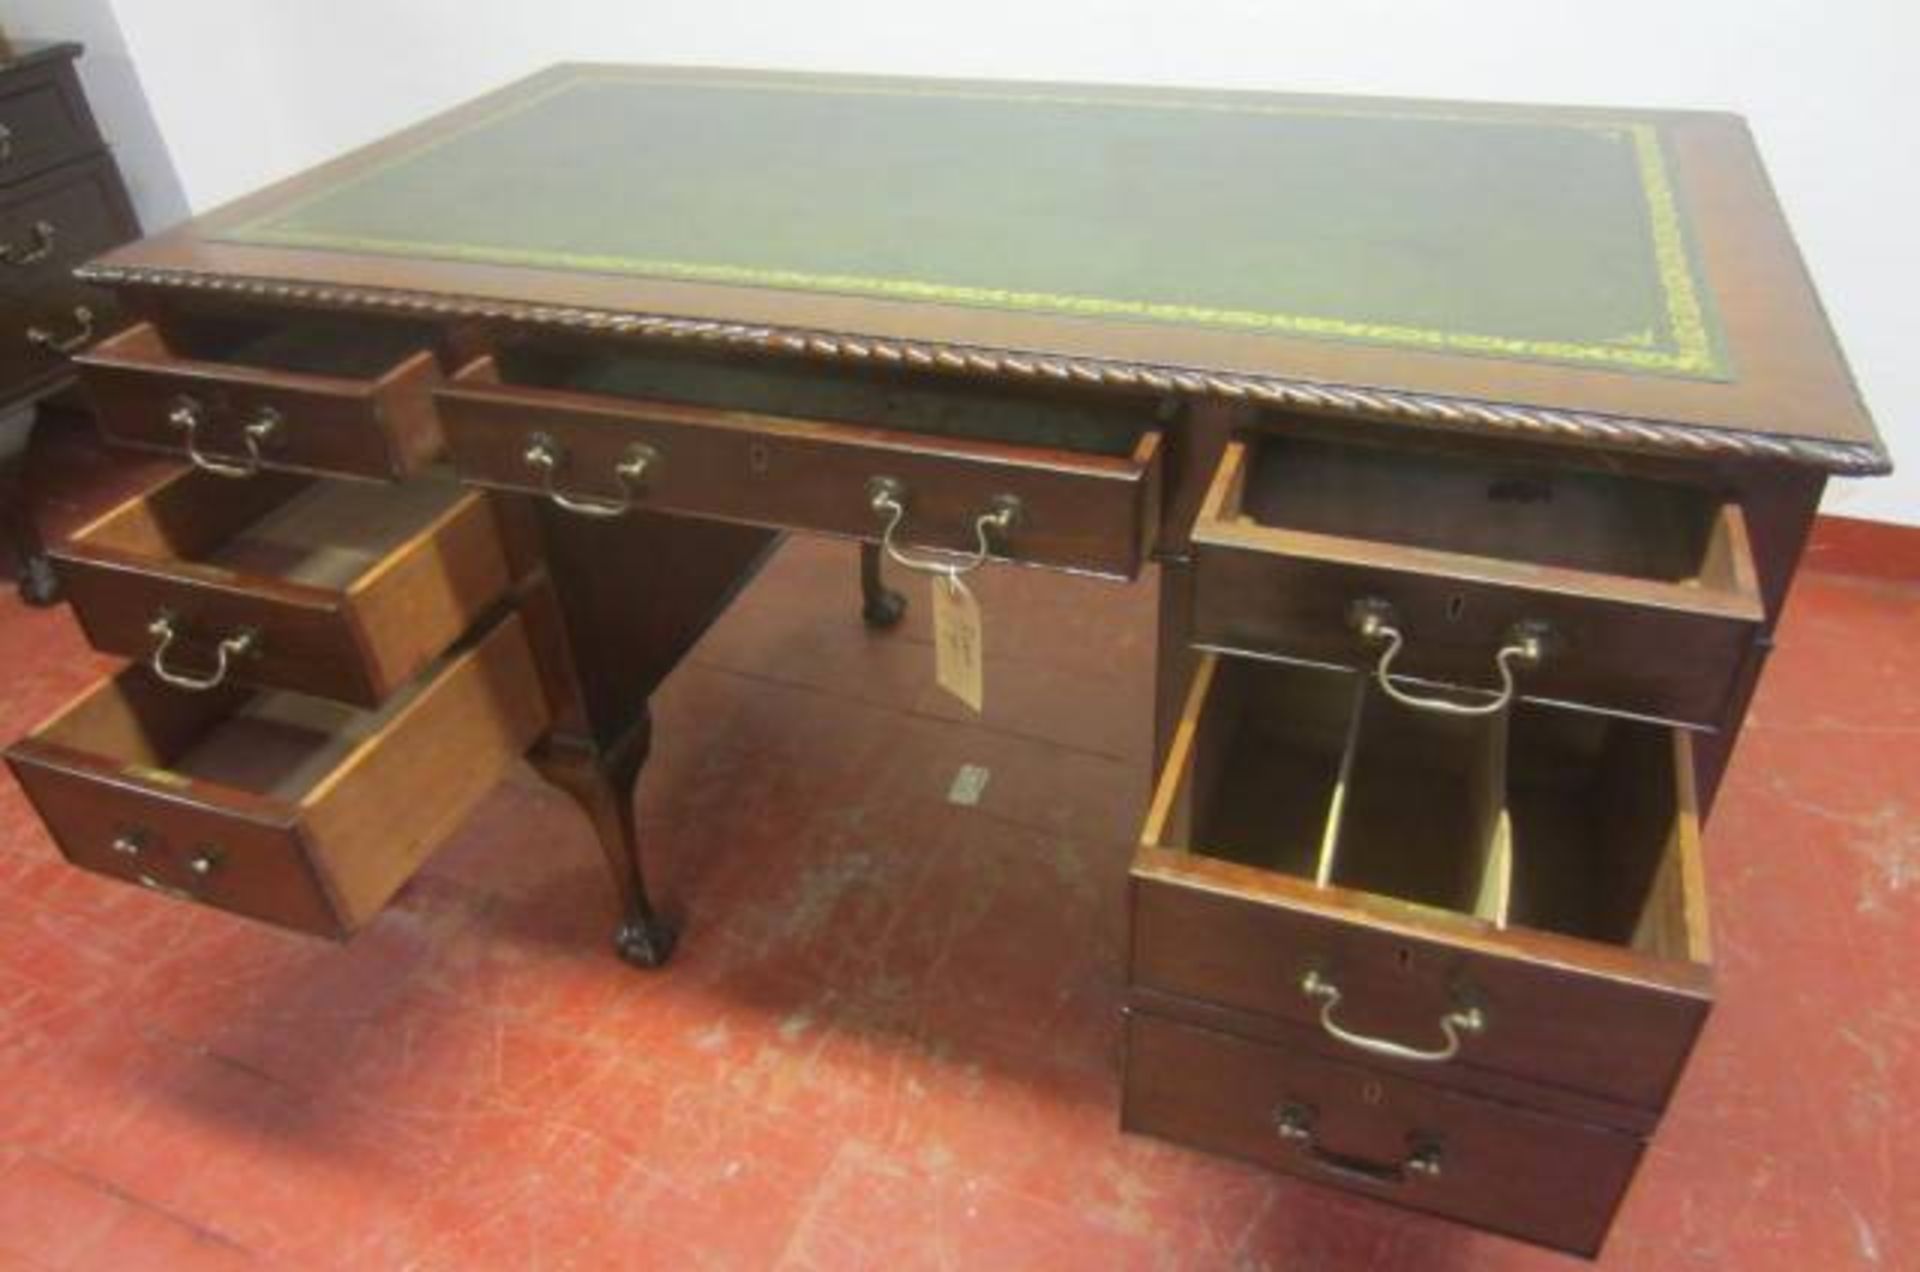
column 1845, row 458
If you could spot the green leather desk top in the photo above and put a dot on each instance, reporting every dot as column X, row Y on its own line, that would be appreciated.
column 1616, row 265
column 1526, row 237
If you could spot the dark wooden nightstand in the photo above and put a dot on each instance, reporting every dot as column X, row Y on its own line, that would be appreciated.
column 62, row 202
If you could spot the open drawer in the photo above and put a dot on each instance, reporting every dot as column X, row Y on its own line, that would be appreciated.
column 286, row 808
column 1593, row 588
column 1061, row 484
column 341, row 589
column 319, row 395
column 1519, row 896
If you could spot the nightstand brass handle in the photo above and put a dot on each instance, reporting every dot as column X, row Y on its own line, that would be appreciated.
column 888, row 498
column 43, row 338
column 545, row 455
column 1461, row 1020
column 1295, row 1123
column 164, row 632
column 1374, row 621
column 43, row 236
column 186, row 416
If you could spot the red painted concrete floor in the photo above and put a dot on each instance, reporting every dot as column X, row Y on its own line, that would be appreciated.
column 889, row 1040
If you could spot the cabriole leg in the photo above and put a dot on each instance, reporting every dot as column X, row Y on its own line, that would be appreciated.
column 603, row 786
column 880, row 605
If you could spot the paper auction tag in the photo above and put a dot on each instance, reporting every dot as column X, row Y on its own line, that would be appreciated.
column 956, row 639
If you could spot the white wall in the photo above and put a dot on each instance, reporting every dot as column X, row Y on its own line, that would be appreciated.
column 245, row 91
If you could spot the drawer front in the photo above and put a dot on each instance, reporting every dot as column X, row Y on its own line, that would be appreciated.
column 1488, row 1164
column 131, row 823
column 1083, row 512
column 58, row 221
column 1592, row 589
column 246, row 418
column 43, row 121
column 40, row 333
column 1553, row 1011
column 1616, row 655
column 303, row 638
column 356, row 644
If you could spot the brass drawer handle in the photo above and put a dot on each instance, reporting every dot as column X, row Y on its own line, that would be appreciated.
column 42, row 338
column 164, row 632
column 152, row 884
column 888, row 498
column 43, row 233
column 1373, row 619
column 1295, row 1123
column 200, row 868
column 6, row 143
column 1461, row 1020
column 545, row 455
column 187, row 415
column 132, row 843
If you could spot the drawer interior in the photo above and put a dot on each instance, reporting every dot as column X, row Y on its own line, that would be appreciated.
column 272, row 744
column 1594, row 803
column 1485, row 507
column 1268, row 770
column 878, row 398
column 1540, row 818
column 355, row 348
column 325, row 534
column 1422, row 816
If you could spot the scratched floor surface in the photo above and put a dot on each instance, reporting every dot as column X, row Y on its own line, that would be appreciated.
column 889, row 1039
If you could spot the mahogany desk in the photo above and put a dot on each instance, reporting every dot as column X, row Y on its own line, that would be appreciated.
column 1475, row 447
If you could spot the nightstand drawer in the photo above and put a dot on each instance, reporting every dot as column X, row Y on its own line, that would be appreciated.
column 1593, row 588
column 319, row 396
column 1493, row 1165
column 41, row 333
column 1431, row 893
column 278, row 806
column 43, row 121
column 603, row 452
column 59, row 220
column 341, row 589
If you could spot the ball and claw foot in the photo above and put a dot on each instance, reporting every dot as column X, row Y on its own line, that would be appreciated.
column 39, row 586
column 645, row 940
column 884, row 609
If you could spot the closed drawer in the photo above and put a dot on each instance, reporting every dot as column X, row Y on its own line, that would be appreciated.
column 60, row 220
column 282, row 807
column 43, row 121
column 943, row 457
column 1639, row 596
column 1434, row 894
column 41, row 333
column 317, row 396
column 1493, row 1165
column 341, row 589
